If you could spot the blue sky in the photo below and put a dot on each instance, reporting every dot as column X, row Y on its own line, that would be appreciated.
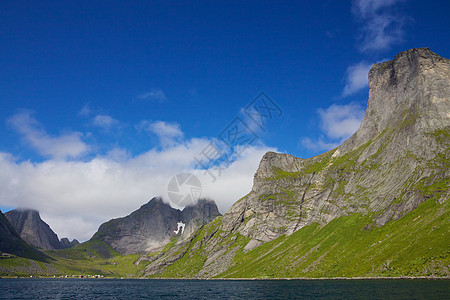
column 123, row 94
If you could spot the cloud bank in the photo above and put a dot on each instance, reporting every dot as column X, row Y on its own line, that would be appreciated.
column 75, row 196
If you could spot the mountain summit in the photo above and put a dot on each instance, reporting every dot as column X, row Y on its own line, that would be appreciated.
column 12, row 244
column 154, row 224
column 33, row 230
column 29, row 225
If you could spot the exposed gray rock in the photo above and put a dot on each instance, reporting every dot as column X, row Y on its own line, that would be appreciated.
column 9, row 239
column 401, row 145
column 65, row 243
column 153, row 225
column 11, row 243
column 195, row 216
column 29, row 225
column 413, row 89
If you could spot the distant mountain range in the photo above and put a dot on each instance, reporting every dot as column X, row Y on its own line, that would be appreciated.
column 375, row 206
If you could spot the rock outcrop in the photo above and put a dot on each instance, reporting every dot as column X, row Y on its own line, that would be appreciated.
column 398, row 158
column 154, row 224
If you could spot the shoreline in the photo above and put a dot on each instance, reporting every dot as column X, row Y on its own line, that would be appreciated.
column 243, row 279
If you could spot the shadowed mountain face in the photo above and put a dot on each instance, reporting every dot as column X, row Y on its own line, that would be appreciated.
column 11, row 243
column 153, row 225
column 398, row 159
column 9, row 239
column 32, row 229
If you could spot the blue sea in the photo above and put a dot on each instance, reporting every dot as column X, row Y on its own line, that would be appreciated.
column 222, row 289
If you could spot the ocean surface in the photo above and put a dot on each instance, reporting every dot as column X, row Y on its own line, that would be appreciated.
column 222, row 289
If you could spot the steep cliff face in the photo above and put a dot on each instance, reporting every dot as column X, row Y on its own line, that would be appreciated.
column 195, row 216
column 9, row 239
column 153, row 225
column 398, row 158
column 400, row 149
column 11, row 243
column 29, row 225
column 409, row 94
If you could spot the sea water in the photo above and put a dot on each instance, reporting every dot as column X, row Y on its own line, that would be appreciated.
column 35, row 288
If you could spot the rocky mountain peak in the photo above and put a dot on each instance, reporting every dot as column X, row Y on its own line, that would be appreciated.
column 412, row 89
column 154, row 224
column 198, row 214
column 66, row 243
column 12, row 243
column 400, row 147
column 32, row 229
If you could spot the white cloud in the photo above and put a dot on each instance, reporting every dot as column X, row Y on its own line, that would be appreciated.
column 154, row 94
column 369, row 7
column 105, row 122
column 235, row 181
column 356, row 78
column 68, row 145
column 382, row 26
column 118, row 154
column 85, row 111
column 318, row 145
column 341, row 121
column 168, row 134
column 338, row 123
column 75, row 197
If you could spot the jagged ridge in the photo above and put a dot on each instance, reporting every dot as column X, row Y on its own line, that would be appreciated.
column 153, row 225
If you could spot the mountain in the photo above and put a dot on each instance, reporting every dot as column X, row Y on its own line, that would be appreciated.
column 11, row 243
column 306, row 217
column 32, row 229
column 376, row 206
column 153, row 225
column 65, row 243
column 401, row 145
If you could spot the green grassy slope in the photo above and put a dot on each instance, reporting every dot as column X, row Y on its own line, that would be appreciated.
column 417, row 244
column 89, row 258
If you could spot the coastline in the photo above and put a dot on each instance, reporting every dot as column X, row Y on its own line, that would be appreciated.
column 242, row 279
